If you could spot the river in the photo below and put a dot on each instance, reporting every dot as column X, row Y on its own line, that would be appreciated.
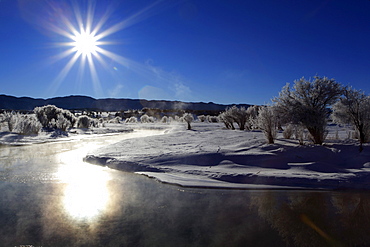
column 50, row 197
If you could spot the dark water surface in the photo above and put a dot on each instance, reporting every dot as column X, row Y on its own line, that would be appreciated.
column 49, row 197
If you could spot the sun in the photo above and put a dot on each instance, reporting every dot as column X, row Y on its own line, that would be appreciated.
column 85, row 43
column 83, row 29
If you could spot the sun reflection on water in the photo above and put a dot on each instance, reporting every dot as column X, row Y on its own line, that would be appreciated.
column 86, row 194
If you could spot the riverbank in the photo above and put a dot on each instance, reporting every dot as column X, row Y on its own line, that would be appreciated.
column 214, row 157
column 14, row 139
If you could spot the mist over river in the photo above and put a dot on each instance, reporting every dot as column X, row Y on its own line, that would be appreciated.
column 50, row 197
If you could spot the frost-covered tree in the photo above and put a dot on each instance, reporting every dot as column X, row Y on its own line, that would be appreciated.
column 307, row 103
column 354, row 108
column 212, row 119
column 288, row 131
column 188, row 118
column 227, row 120
column 115, row 120
column 151, row 119
column 131, row 120
column 62, row 122
column 144, row 118
column 238, row 115
column 266, row 120
column 252, row 112
column 10, row 118
column 83, row 122
column 165, row 119
column 202, row 118
column 48, row 116
column 27, row 125
column 20, row 123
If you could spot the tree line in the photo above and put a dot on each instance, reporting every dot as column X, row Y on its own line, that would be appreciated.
column 308, row 104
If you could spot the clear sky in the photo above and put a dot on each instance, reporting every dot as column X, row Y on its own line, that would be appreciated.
column 224, row 51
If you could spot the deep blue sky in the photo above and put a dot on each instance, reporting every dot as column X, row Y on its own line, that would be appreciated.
column 224, row 51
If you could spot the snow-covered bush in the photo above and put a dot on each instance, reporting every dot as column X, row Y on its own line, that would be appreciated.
column 252, row 112
column 267, row 123
column 202, row 118
column 299, row 133
column 307, row 103
column 151, row 119
column 354, row 108
column 115, row 120
column 227, row 120
column 62, row 122
column 288, row 131
column 83, row 122
column 131, row 120
column 144, row 118
column 48, row 116
column 238, row 115
column 94, row 122
column 22, row 124
column 27, row 125
column 69, row 116
column 165, row 119
column 10, row 118
column 212, row 119
column 188, row 118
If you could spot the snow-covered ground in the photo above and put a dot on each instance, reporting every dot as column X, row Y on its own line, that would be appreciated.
column 211, row 156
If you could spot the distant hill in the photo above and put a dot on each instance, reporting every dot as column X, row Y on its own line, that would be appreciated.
column 87, row 103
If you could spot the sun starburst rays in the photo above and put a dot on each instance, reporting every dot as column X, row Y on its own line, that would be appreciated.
column 84, row 34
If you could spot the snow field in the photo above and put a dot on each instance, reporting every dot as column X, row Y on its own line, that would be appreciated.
column 212, row 156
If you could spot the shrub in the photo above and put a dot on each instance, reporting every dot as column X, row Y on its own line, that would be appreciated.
column 10, row 118
column 165, row 119
column 151, row 119
column 188, row 118
column 144, row 118
column 212, row 119
column 131, row 120
column 252, row 112
column 299, row 133
column 115, row 120
column 27, row 125
column 62, row 122
column 267, row 122
column 227, row 120
column 48, row 116
column 288, row 131
column 83, row 122
column 238, row 115
column 202, row 118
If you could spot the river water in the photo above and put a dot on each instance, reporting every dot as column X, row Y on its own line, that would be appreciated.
column 49, row 197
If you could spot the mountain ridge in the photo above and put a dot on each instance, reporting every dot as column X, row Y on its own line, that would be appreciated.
column 81, row 102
